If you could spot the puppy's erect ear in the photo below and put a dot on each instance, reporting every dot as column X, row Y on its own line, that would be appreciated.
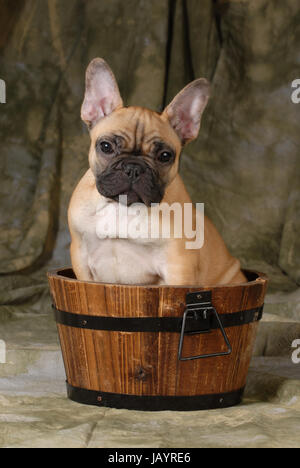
column 185, row 111
column 102, row 94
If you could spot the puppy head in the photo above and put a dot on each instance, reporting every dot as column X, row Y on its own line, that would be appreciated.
column 135, row 151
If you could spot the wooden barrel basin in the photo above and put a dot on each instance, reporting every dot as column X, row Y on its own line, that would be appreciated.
column 156, row 347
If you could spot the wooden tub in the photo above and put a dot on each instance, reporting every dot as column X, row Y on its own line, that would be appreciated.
column 156, row 347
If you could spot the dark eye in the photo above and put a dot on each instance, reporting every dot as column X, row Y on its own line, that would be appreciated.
column 165, row 156
column 106, row 147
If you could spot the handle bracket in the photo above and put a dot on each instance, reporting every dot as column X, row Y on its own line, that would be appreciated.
column 199, row 306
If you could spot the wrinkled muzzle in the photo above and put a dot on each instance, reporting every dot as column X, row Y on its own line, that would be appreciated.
column 131, row 177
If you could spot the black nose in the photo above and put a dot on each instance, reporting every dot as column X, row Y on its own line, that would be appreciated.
column 133, row 170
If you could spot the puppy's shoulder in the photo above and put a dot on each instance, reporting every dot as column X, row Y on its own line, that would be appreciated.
column 82, row 197
column 82, row 188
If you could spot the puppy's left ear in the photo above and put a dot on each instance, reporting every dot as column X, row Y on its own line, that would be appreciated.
column 102, row 94
column 185, row 111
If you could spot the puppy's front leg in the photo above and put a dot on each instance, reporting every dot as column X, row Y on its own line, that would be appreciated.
column 79, row 260
column 177, row 272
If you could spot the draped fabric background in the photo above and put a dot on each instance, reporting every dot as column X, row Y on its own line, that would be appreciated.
column 245, row 167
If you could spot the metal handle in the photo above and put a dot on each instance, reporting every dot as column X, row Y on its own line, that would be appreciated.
column 205, row 311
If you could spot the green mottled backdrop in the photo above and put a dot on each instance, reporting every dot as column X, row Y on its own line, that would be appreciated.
column 245, row 165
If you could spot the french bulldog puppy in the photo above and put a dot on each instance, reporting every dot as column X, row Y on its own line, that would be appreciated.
column 133, row 159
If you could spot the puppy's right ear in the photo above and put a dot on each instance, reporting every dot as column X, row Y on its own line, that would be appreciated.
column 102, row 94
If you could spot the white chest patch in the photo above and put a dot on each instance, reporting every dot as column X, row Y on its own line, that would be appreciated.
column 119, row 248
